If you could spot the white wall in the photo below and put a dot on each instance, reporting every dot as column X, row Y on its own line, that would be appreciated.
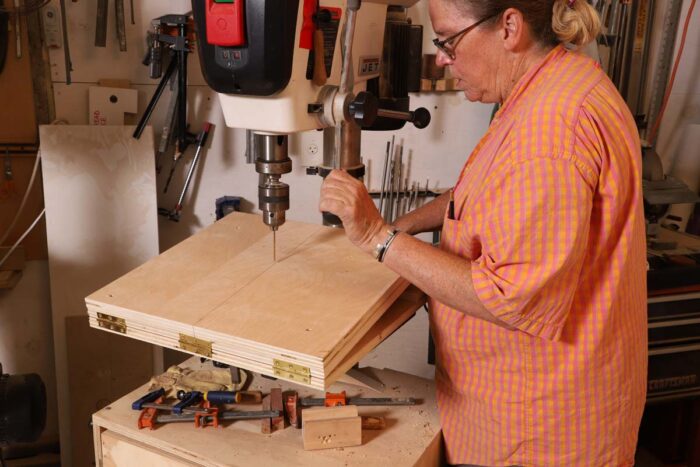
column 679, row 135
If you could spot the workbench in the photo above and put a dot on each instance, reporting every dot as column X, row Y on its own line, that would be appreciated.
column 412, row 436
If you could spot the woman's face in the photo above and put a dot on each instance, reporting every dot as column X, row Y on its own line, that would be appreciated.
column 476, row 57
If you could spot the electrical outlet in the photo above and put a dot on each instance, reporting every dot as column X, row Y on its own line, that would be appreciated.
column 52, row 27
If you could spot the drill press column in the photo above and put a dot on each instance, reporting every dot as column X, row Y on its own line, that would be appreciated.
column 271, row 163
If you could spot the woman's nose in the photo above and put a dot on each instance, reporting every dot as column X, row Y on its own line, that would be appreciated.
column 442, row 59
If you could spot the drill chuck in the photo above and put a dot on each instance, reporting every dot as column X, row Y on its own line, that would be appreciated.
column 271, row 163
column 273, row 199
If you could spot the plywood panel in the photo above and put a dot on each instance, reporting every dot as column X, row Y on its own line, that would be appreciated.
column 118, row 451
column 311, row 306
column 99, row 187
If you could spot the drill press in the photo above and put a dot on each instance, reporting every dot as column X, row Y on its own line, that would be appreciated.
column 263, row 58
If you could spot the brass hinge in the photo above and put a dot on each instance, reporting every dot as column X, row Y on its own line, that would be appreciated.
column 291, row 371
column 111, row 322
column 194, row 345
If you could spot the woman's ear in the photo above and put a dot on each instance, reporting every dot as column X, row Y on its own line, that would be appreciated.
column 513, row 30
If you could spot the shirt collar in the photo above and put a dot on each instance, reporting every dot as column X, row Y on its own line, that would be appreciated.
column 530, row 77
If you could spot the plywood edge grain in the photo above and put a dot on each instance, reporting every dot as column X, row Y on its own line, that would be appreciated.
column 400, row 312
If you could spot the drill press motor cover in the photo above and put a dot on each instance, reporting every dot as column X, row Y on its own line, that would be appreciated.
column 259, row 55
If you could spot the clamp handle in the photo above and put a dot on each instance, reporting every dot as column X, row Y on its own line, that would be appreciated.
column 186, row 399
column 150, row 397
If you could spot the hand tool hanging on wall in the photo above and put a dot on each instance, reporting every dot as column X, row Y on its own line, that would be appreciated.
column 101, row 23
column 66, row 50
column 121, row 25
column 174, row 215
column 173, row 32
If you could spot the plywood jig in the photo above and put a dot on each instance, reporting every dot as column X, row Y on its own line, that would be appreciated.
column 221, row 295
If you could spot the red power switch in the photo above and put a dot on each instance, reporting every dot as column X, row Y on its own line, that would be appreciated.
column 225, row 25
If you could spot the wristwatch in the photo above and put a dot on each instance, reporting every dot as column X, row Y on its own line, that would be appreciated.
column 381, row 248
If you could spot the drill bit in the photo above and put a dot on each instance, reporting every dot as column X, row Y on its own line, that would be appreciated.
column 274, row 246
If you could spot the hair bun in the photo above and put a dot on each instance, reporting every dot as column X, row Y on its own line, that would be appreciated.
column 575, row 21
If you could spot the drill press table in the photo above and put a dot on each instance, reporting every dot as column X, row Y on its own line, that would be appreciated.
column 412, row 436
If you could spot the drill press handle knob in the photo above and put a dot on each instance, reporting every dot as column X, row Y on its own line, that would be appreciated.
column 364, row 108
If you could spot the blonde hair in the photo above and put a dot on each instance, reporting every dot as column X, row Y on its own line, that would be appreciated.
column 575, row 22
column 551, row 21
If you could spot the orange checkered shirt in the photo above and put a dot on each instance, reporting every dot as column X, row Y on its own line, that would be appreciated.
column 549, row 213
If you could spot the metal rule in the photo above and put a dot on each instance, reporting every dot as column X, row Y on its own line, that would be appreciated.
column 665, row 54
column 121, row 24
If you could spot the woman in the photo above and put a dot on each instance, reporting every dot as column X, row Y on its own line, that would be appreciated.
column 538, row 290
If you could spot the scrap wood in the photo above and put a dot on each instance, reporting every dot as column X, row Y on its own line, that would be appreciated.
column 331, row 427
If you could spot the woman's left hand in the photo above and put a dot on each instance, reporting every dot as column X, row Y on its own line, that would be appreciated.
column 347, row 198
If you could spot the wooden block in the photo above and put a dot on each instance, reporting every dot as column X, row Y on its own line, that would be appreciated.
column 266, row 423
column 333, row 433
column 88, row 170
column 328, row 413
column 14, row 262
column 276, row 404
column 291, row 408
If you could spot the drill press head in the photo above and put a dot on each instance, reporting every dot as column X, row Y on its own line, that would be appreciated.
column 261, row 56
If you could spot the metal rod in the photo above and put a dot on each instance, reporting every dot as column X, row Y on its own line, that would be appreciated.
column 349, row 32
column 398, row 185
column 248, row 415
column 386, row 164
column 154, row 100
column 390, row 204
column 66, row 49
column 182, row 94
column 426, row 191
column 201, row 142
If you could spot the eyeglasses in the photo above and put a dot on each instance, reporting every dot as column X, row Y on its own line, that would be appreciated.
column 445, row 45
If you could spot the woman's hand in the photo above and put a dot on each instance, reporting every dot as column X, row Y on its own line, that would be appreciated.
column 347, row 198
